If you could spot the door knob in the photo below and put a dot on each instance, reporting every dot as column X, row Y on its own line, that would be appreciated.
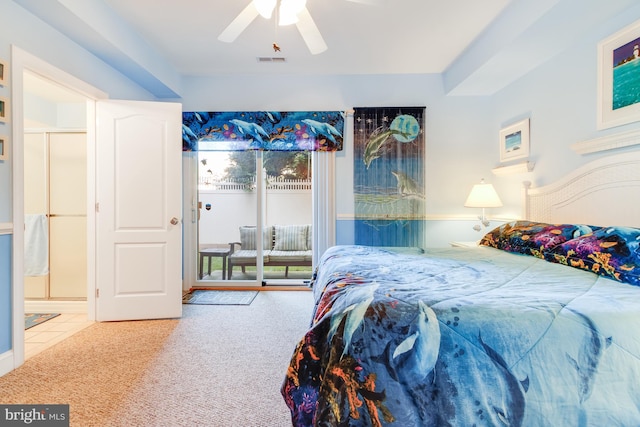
column 174, row 221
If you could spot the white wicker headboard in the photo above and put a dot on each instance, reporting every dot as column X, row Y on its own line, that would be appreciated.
column 603, row 192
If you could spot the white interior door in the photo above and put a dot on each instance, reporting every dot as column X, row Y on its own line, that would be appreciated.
column 139, row 226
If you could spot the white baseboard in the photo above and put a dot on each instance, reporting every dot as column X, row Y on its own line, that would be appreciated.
column 33, row 306
column 6, row 362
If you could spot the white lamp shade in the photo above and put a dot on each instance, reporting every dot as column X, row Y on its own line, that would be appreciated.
column 483, row 196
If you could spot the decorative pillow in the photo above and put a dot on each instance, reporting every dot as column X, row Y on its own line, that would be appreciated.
column 612, row 252
column 248, row 238
column 309, row 238
column 532, row 238
column 291, row 237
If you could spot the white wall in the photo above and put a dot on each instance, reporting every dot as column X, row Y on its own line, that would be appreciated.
column 231, row 209
column 461, row 138
column 40, row 113
column 461, row 145
column 560, row 97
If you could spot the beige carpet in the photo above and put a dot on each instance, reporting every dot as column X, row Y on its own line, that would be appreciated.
column 217, row 366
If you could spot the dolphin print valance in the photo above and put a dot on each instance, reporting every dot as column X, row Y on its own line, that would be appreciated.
column 263, row 130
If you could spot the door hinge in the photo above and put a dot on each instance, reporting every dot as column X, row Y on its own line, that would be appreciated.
column 97, row 207
column 97, row 293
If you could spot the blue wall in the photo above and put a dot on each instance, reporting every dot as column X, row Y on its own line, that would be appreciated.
column 5, row 291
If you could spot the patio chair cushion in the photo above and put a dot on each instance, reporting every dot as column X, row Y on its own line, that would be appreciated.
column 243, row 256
column 288, row 256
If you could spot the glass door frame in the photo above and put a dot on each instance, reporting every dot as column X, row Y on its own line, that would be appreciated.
column 324, row 217
column 191, row 214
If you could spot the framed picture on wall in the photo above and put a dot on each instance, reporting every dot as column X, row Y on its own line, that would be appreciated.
column 4, row 110
column 4, row 148
column 514, row 141
column 3, row 72
column 618, row 77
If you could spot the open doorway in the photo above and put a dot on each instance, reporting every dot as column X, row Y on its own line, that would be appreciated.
column 41, row 92
column 55, row 207
column 160, row 298
column 55, row 194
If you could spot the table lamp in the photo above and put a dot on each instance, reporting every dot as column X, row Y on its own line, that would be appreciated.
column 483, row 196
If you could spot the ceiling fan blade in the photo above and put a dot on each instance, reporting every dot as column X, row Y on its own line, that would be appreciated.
column 369, row 2
column 310, row 33
column 239, row 24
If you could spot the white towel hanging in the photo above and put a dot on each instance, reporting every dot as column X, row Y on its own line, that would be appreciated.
column 36, row 245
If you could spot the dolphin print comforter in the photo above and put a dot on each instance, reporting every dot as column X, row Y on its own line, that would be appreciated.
column 465, row 337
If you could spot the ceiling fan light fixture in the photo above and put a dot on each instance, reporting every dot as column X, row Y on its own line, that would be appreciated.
column 265, row 7
column 289, row 10
column 295, row 11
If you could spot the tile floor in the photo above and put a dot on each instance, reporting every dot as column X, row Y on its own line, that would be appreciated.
column 51, row 332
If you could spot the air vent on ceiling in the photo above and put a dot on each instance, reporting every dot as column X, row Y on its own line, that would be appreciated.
column 271, row 59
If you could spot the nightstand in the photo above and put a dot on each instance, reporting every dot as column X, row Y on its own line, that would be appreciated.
column 473, row 244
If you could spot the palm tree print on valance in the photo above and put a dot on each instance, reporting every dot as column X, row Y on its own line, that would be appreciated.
column 263, row 130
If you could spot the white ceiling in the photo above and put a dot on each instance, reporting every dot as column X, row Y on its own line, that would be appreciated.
column 387, row 36
column 478, row 47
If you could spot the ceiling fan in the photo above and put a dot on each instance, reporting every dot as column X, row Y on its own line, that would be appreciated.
column 287, row 12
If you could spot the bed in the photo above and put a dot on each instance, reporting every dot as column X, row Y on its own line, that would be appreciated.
column 537, row 326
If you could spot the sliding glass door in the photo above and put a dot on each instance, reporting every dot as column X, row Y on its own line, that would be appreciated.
column 257, row 216
column 288, row 216
column 241, row 211
column 228, row 206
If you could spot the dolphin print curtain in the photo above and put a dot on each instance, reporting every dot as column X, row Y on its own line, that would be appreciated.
column 263, row 130
column 389, row 193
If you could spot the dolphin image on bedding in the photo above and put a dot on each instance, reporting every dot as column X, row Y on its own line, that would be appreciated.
column 589, row 356
column 512, row 411
column 424, row 344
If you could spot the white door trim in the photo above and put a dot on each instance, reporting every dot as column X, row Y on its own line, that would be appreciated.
column 323, row 200
column 22, row 61
column 189, row 219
